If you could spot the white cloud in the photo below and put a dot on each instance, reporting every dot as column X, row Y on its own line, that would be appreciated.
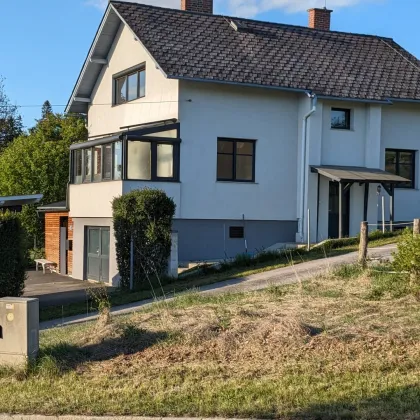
column 174, row 4
column 251, row 8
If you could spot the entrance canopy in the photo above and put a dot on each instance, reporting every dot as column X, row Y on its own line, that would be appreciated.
column 346, row 176
column 358, row 174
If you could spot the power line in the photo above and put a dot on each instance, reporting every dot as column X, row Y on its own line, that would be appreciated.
column 108, row 104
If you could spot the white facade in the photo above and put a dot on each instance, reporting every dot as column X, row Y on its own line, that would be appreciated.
column 274, row 119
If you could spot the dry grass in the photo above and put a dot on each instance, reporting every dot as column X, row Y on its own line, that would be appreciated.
column 322, row 349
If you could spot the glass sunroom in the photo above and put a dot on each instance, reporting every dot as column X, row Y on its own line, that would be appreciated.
column 148, row 152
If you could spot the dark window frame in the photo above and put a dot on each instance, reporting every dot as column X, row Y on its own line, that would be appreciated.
column 125, row 75
column 397, row 152
column 234, row 154
column 153, row 160
column 347, row 112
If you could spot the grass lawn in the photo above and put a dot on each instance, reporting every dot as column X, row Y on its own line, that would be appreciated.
column 342, row 346
column 240, row 268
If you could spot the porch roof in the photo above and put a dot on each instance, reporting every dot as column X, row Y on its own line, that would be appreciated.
column 20, row 200
column 60, row 206
column 358, row 174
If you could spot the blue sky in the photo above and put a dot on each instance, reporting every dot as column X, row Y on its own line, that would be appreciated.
column 45, row 42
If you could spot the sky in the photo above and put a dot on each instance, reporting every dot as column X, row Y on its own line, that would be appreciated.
column 45, row 42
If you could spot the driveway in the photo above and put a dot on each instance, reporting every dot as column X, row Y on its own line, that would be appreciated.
column 54, row 289
column 280, row 276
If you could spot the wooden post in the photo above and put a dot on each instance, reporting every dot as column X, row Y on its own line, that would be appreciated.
column 363, row 244
column 416, row 227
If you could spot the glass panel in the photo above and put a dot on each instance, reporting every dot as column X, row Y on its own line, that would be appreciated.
column 93, row 241
column 165, row 161
column 117, row 160
column 105, row 242
column 244, row 168
column 97, row 163
column 121, row 90
column 170, row 134
column 244, row 148
column 133, row 86
column 139, row 160
column 224, row 146
column 406, row 158
column 78, row 169
column 225, row 167
column 340, row 118
column 391, row 162
column 108, row 161
column 88, row 165
column 142, row 83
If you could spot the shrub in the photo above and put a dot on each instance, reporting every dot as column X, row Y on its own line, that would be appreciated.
column 407, row 256
column 146, row 216
column 12, row 256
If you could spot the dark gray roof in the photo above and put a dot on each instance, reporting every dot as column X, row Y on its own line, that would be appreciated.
column 334, row 64
column 58, row 206
column 357, row 174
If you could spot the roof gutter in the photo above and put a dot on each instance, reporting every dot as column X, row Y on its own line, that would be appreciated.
column 305, row 142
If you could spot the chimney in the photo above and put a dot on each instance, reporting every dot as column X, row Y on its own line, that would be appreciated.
column 320, row 19
column 203, row 6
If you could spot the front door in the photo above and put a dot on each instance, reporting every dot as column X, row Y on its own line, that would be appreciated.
column 334, row 211
column 98, row 253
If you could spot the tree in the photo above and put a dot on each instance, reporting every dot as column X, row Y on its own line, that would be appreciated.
column 11, row 125
column 46, row 109
column 39, row 162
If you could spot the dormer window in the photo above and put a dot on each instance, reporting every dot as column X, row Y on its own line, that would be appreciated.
column 130, row 85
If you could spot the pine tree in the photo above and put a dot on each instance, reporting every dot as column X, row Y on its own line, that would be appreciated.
column 46, row 109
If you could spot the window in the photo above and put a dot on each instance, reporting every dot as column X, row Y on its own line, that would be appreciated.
column 151, row 160
column 118, row 160
column 78, row 167
column 130, row 86
column 97, row 163
column 107, row 172
column 235, row 160
column 236, row 232
column 87, row 158
column 402, row 163
column 340, row 118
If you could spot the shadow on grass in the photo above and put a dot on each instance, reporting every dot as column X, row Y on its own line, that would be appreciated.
column 397, row 403
column 63, row 357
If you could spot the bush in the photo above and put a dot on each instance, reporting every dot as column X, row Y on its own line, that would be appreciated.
column 12, row 256
column 146, row 215
column 407, row 256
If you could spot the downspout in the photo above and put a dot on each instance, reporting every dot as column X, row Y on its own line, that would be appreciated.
column 69, row 181
column 314, row 100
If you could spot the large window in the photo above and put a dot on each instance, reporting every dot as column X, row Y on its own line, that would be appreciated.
column 149, row 153
column 340, row 118
column 235, row 160
column 130, row 86
column 152, row 161
column 402, row 163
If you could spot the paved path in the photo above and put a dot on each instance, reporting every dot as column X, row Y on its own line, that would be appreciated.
column 54, row 289
column 280, row 276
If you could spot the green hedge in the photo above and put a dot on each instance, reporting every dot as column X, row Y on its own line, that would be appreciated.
column 146, row 215
column 12, row 256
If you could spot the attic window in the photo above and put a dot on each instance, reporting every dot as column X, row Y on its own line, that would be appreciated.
column 238, row 26
column 130, row 85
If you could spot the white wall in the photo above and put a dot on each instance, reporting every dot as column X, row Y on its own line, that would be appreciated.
column 344, row 147
column 160, row 102
column 401, row 130
column 95, row 199
column 208, row 111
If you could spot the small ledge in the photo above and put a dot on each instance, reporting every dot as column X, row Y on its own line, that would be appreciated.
column 237, row 182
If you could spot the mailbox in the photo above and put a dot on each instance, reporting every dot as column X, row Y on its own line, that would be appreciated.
column 19, row 330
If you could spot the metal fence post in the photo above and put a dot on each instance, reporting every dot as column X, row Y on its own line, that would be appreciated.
column 383, row 214
column 309, row 230
column 132, row 263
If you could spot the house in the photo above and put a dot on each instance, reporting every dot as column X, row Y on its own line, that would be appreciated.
column 246, row 124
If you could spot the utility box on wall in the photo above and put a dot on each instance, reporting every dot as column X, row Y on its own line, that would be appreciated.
column 19, row 330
